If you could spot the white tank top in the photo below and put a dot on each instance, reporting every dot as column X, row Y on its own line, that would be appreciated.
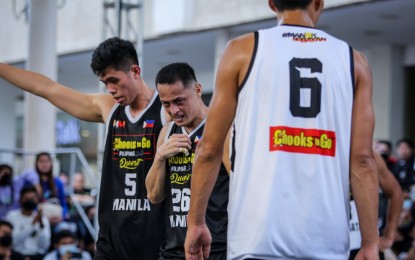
column 289, row 191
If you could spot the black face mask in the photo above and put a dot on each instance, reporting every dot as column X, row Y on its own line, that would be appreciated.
column 6, row 240
column 385, row 156
column 6, row 180
column 29, row 205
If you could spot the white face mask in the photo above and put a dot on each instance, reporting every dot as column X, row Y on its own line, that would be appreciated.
column 69, row 248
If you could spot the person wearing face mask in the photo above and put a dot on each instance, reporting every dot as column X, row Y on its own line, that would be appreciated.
column 10, row 188
column 6, row 251
column 31, row 234
column 66, row 248
column 51, row 188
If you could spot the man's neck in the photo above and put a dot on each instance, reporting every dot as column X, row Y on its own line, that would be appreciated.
column 198, row 119
column 141, row 101
column 296, row 17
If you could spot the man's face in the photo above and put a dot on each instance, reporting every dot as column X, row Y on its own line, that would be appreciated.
column 5, row 176
column 29, row 201
column 66, row 241
column 404, row 151
column 182, row 104
column 120, row 84
column 381, row 148
column 78, row 181
column 4, row 230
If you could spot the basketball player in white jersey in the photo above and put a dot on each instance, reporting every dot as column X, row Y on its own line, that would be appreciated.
column 299, row 101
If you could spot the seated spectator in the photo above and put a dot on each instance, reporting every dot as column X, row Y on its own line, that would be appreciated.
column 404, row 168
column 66, row 248
column 64, row 177
column 384, row 148
column 6, row 240
column 51, row 189
column 10, row 187
column 86, row 198
column 87, row 239
column 84, row 195
column 31, row 233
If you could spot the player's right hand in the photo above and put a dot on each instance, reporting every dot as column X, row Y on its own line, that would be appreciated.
column 177, row 143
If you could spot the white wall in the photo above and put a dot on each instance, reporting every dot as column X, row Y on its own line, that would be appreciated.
column 388, row 90
column 80, row 23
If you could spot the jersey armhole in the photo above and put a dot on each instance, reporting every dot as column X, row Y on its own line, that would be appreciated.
column 163, row 116
column 352, row 68
column 168, row 131
column 251, row 64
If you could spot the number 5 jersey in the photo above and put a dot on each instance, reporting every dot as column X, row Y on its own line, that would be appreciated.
column 130, row 226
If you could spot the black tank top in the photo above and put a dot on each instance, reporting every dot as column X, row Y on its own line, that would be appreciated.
column 179, row 170
column 130, row 226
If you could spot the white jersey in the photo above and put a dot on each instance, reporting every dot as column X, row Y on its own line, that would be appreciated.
column 289, row 191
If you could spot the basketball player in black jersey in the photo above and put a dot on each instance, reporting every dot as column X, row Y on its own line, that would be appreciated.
column 169, row 177
column 130, row 226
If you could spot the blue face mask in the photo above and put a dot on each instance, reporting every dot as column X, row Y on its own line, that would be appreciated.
column 407, row 204
column 69, row 248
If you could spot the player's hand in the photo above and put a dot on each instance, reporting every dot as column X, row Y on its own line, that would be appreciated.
column 368, row 253
column 385, row 243
column 177, row 143
column 197, row 244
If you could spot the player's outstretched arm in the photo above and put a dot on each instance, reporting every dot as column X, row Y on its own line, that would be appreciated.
column 231, row 71
column 363, row 175
column 156, row 177
column 390, row 187
column 89, row 107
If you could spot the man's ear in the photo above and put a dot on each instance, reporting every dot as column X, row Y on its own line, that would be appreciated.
column 272, row 6
column 136, row 70
column 198, row 89
column 318, row 5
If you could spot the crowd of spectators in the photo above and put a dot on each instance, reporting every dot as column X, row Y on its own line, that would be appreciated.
column 402, row 166
column 39, row 218
column 38, row 215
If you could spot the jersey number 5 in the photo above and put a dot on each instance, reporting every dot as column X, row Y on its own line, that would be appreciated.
column 297, row 83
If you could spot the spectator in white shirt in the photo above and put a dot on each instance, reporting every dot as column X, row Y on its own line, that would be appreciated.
column 31, row 233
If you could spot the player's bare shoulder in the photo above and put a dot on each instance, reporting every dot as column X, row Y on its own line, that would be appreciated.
column 242, row 47
column 362, row 71
column 105, row 103
column 238, row 54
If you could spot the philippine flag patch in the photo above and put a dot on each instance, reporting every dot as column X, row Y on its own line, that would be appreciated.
column 197, row 139
column 148, row 124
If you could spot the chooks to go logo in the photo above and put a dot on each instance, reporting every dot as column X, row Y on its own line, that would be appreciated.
column 300, row 140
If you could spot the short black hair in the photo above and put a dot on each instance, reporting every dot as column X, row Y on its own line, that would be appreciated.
column 6, row 166
column 408, row 141
column 64, row 233
column 113, row 53
column 6, row 223
column 385, row 142
column 179, row 71
column 283, row 5
column 28, row 189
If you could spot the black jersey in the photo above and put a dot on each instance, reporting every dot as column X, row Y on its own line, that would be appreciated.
column 179, row 170
column 130, row 226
